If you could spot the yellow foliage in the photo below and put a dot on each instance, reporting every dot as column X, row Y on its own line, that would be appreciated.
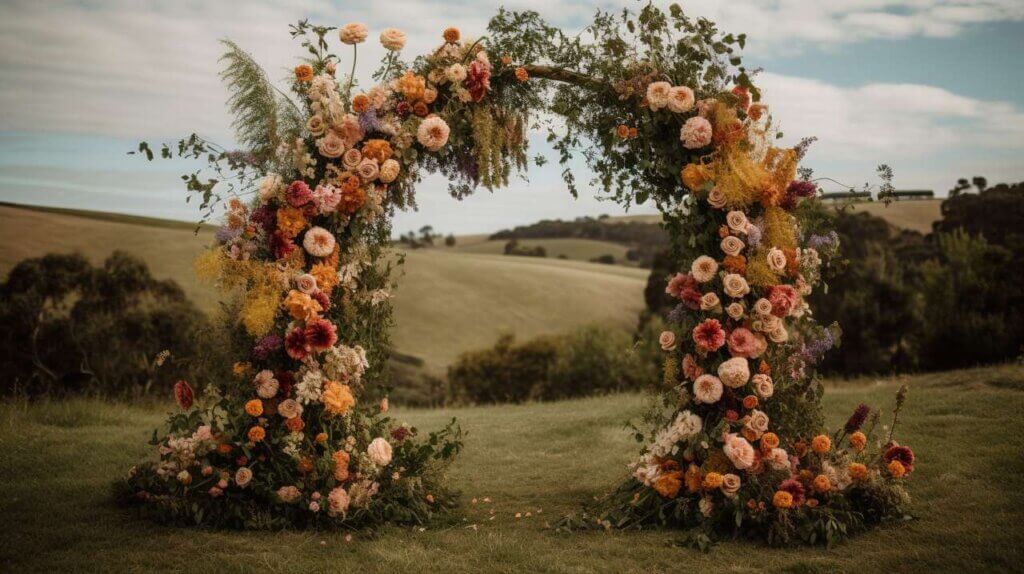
column 759, row 274
column 259, row 309
column 779, row 229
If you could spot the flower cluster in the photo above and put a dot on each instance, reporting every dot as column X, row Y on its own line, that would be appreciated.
column 290, row 431
column 741, row 342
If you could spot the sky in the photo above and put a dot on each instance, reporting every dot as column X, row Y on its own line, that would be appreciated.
column 934, row 88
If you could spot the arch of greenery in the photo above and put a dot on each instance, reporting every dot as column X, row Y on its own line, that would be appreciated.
column 661, row 110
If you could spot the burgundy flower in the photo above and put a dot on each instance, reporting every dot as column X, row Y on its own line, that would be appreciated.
column 320, row 297
column 402, row 109
column 902, row 454
column 321, row 334
column 183, row 395
column 285, row 382
column 298, row 194
column 802, row 188
column 400, row 433
column 295, row 344
column 281, row 245
column 796, row 489
column 478, row 80
column 691, row 298
column 266, row 346
column 856, row 420
column 264, row 217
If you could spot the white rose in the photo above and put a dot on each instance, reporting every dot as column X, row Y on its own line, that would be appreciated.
column 735, row 372
column 456, row 73
column 732, row 245
column 379, row 451
column 778, row 335
column 763, row 385
column 709, row 301
column 735, row 310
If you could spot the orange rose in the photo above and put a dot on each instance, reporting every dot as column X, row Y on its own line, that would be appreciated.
column 821, row 444
column 304, row 73
column 290, row 221
column 224, row 448
column 301, row 306
column 256, row 434
column 782, row 499
column 822, row 483
column 712, row 480
column 769, row 440
column 254, row 408
column 750, row 402
column 695, row 176
column 377, row 149
column 858, row 471
column 633, row 132
column 321, row 437
column 668, row 484
column 452, row 35
column 858, row 441
column 295, row 424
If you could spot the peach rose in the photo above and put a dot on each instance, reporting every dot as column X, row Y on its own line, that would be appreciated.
column 667, row 340
column 735, row 285
column 776, row 260
column 737, row 221
column 732, row 245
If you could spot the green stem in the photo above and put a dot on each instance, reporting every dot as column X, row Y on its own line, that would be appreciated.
column 351, row 77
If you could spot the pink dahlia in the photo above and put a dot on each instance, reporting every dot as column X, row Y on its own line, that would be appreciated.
column 744, row 343
column 298, row 194
column 295, row 344
column 709, row 335
column 784, row 299
column 321, row 334
column 678, row 283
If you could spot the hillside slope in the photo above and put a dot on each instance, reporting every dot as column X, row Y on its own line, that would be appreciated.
column 448, row 301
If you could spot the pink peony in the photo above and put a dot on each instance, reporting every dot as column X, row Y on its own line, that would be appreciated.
column 326, row 198
column 709, row 335
column 739, row 451
column 744, row 343
column 707, row 389
column 678, row 283
column 696, row 133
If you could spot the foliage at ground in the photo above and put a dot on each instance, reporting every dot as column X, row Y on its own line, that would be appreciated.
column 540, row 461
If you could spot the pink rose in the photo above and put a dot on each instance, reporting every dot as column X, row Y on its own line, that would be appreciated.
column 667, row 340
column 784, row 299
column 744, row 343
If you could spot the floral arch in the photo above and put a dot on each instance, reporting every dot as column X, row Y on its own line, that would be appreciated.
column 661, row 110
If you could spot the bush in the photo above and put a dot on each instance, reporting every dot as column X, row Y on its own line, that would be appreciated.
column 67, row 327
column 587, row 361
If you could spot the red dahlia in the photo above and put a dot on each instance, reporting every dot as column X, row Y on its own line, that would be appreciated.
column 321, row 334
column 295, row 344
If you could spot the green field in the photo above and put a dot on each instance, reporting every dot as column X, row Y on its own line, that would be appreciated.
column 448, row 301
column 545, row 459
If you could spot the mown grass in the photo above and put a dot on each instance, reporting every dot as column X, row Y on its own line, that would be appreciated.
column 59, row 458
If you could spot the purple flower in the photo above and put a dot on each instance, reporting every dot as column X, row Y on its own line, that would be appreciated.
column 856, row 420
column 678, row 315
column 266, row 346
column 815, row 348
column 368, row 121
column 225, row 234
column 824, row 243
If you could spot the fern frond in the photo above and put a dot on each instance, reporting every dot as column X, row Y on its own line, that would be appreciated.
column 263, row 115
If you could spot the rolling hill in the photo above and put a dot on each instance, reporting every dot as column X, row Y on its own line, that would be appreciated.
column 448, row 300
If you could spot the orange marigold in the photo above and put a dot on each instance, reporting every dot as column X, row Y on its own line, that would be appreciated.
column 695, row 176
column 411, row 86
column 622, row 131
column 821, row 444
column 326, row 277
column 858, row 441
column 896, row 469
column 291, row 221
column 360, row 103
column 254, row 408
column 769, row 440
column 256, row 434
column 304, row 73
column 341, row 460
column 301, row 306
column 305, row 465
column 668, row 484
column 633, row 132
column 723, row 231
column 321, row 437
column 377, row 149
column 521, row 74
column 858, row 471
column 782, row 499
column 452, row 34
column 352, row 201
column 712, row 480
column 822, row 483
column 735, row 263
column 750, row 402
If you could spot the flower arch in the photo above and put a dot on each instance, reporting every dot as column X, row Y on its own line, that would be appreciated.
column 661, row 109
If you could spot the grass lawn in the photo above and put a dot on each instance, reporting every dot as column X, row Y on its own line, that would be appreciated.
column 57, row 460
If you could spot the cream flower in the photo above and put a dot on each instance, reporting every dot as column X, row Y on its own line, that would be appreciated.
column 716, row 198
column 318, row 242
column 379, row 451
column 433, row 133
column 266, row 384
column 709, row 301
column 735, row 311
column 658, row 94
column 757, row 421
column 667, row 340
column 352, row 159
column 732, row 245
column 368, row 169
column 707, row 389
column 289, row 409
column 392, row 39
column 306, row 283
column 731, row 484
column 763, row 307
column 337, row 501
column 777, row 459
column 243, row 476
column 455, row 73
column 270, row 186
column 737, row 221
column 288, row 494
column 778, row 335
column 776, row 260
column 735, row 285
column 316, row 125
column 735, row 372
column 739, row 451
column 680, row 99
column 763, row 385
column 331, row 146
column 704, row 268
column 354, row 33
